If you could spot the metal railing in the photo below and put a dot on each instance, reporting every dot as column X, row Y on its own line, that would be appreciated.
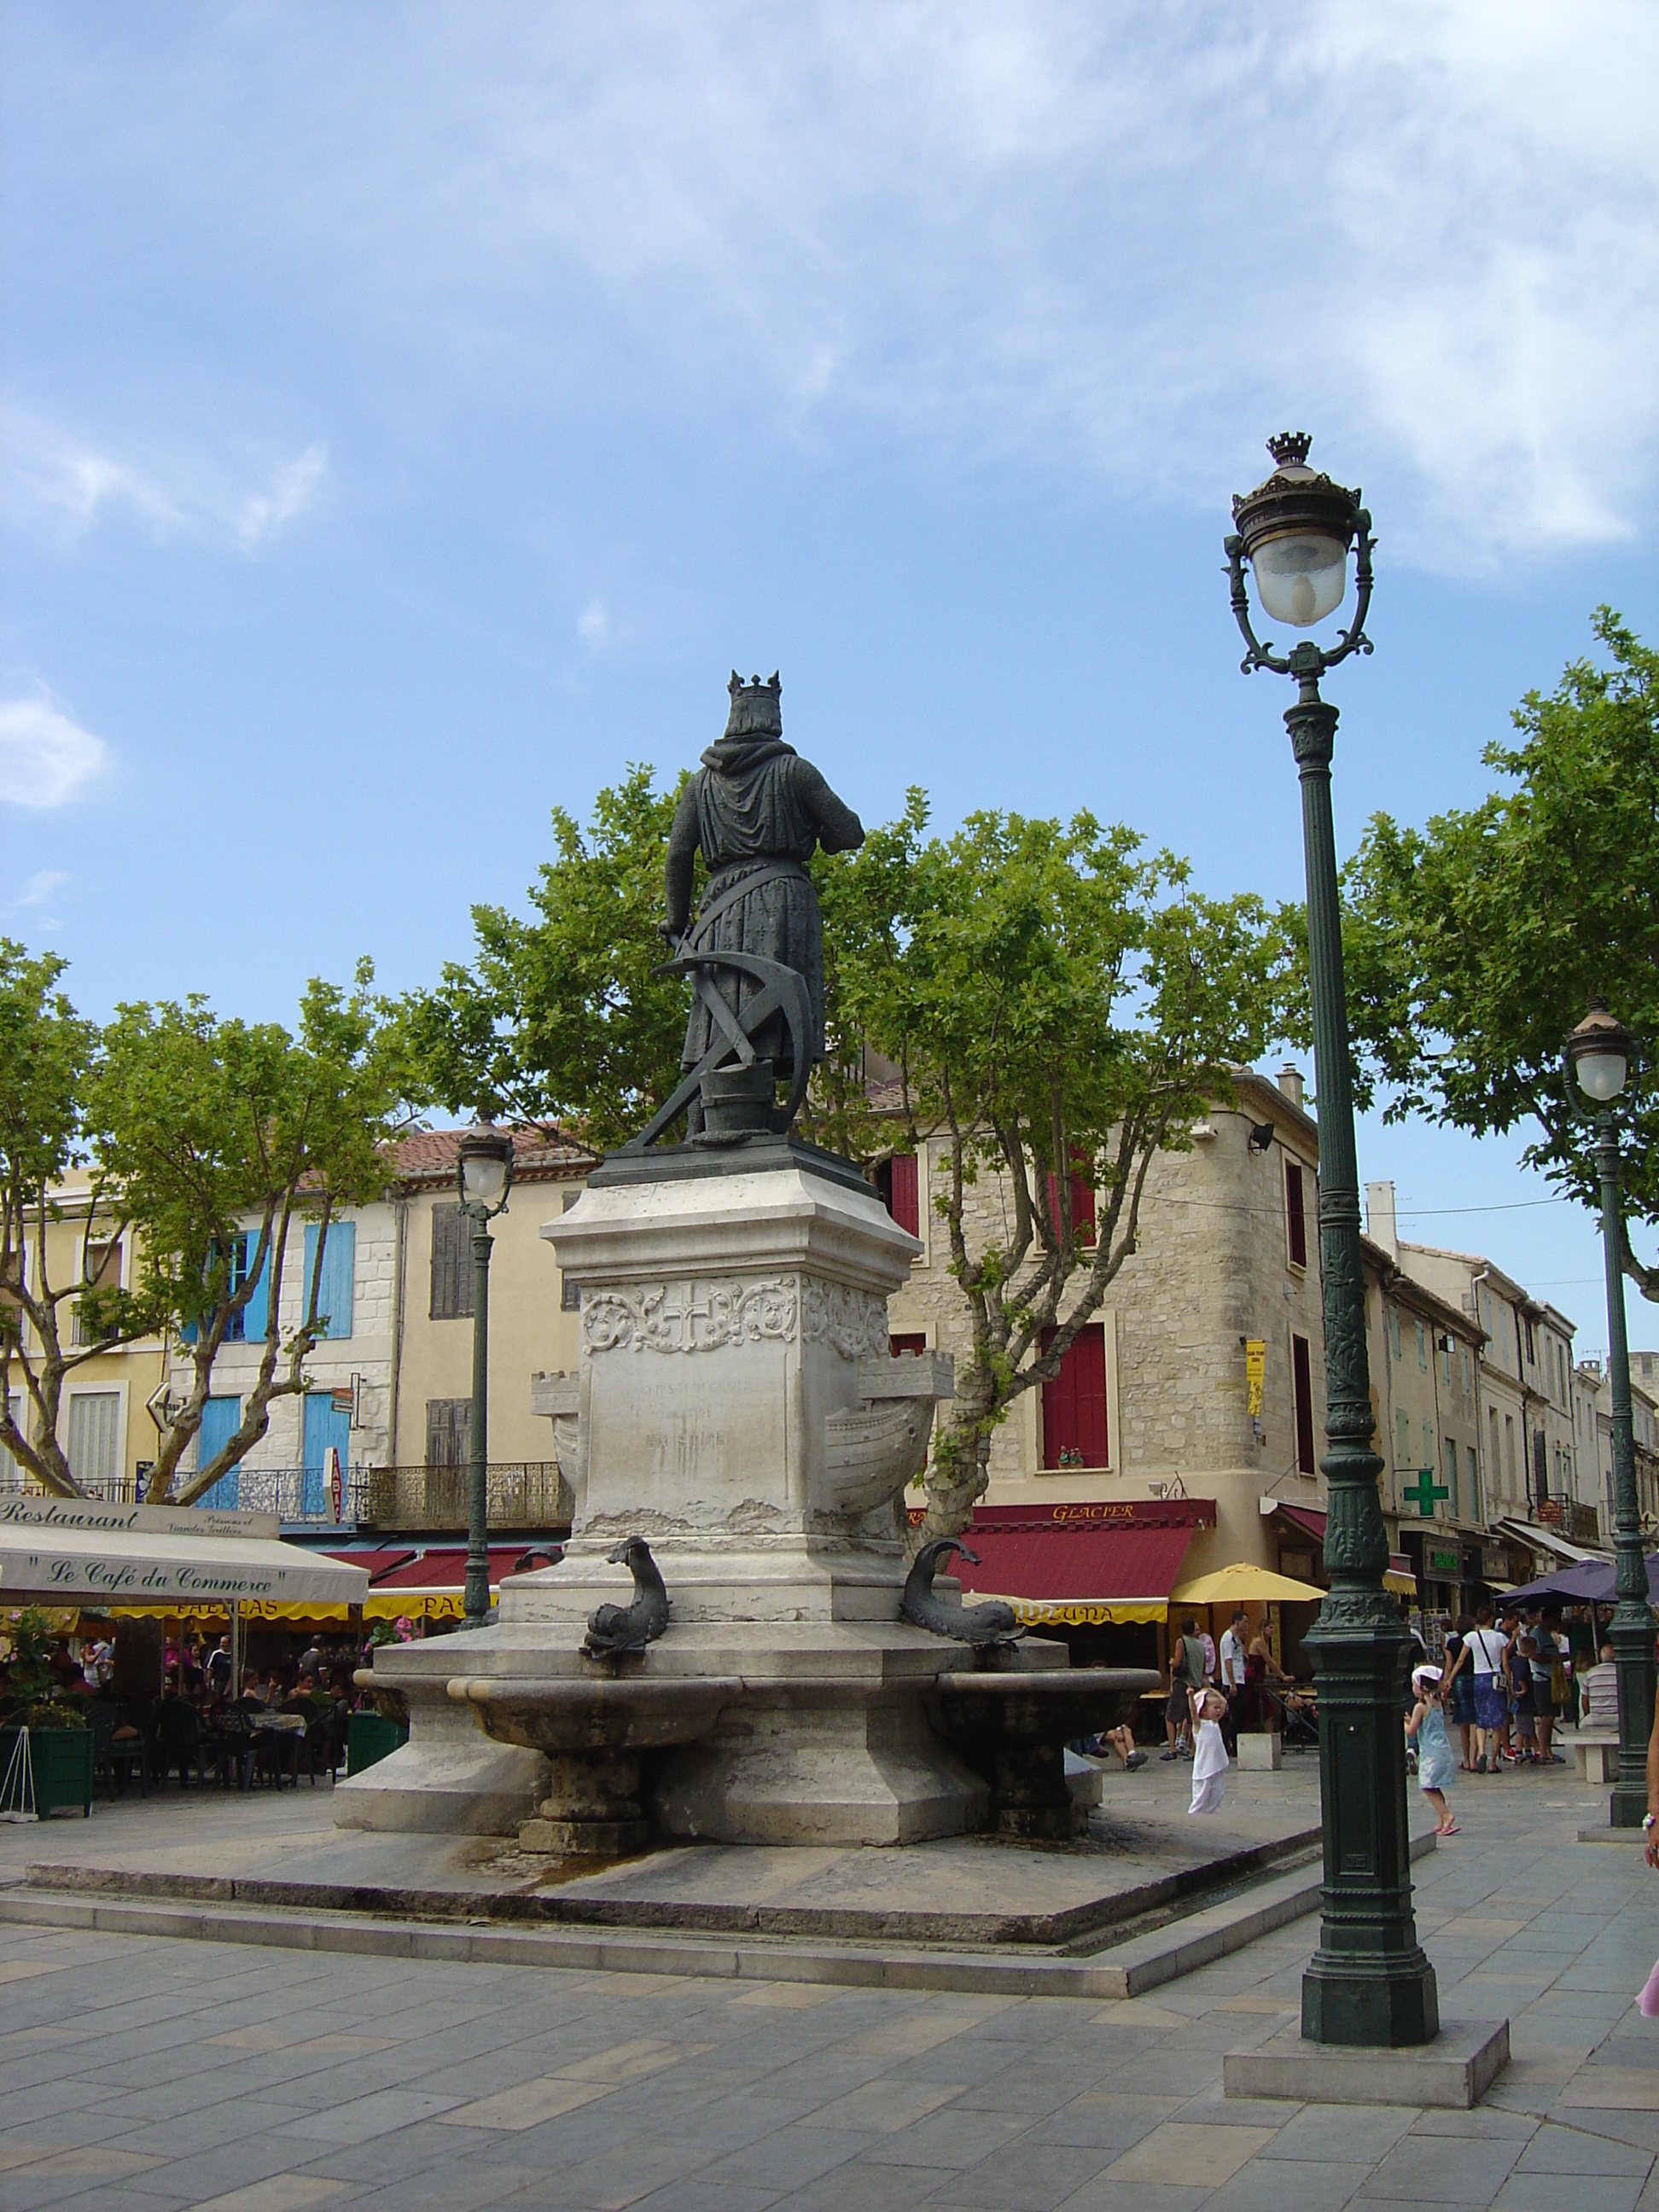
column 523, row 1494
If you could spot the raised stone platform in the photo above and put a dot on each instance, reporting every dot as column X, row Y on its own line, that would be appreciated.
column 1452, row 2073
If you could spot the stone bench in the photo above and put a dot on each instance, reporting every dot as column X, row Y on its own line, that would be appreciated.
column 1596, row 1755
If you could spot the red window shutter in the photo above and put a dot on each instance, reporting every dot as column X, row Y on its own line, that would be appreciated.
column 1074, row 1404
column 1296, row 1214
column 1082, row 1209
column 1082, row 1206
column 1302, row 1367
column 902, row 1203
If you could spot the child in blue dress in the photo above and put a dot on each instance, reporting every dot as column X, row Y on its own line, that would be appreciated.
column 1425, row 1727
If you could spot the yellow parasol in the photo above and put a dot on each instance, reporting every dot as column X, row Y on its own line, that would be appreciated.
column 1243, row 1584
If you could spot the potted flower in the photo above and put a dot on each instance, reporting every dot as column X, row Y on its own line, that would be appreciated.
column 46, row 1746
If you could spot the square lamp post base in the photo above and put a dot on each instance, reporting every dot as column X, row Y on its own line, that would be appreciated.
column 1453, row 2072
column 1376, row 2012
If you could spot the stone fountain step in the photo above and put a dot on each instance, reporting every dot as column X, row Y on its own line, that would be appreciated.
column 103, row 1900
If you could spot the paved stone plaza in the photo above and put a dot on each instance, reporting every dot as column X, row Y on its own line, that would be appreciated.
column 158, row 2074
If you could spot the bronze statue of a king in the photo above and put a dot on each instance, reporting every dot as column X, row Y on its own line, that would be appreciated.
column 757, row 812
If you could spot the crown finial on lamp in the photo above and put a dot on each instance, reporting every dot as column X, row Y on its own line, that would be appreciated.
column 1290, row 448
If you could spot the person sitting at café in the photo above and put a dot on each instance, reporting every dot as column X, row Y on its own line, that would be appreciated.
column 1598, row 1687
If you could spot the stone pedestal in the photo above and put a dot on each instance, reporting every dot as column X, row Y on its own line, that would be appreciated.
column 736, row 1406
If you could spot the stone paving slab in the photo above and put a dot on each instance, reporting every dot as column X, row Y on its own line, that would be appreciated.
column 225, row 2078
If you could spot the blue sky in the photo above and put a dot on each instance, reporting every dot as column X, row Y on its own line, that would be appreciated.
column 410, row 414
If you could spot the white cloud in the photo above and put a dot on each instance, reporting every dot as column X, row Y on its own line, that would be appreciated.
column 64, row 486
column 40, row 887
column 265, row 514
column 45, row 759
column 593, row 626
column 1127, row 240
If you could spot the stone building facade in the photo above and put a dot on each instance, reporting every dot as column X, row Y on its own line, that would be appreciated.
column 1424, row 1354
column 1227, row 1260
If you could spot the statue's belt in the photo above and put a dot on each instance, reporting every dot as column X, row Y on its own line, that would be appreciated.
column 772, row 872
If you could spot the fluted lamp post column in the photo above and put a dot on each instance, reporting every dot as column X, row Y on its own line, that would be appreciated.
column 1599, row 1055
column 1369, row 1983
column 484, row 1175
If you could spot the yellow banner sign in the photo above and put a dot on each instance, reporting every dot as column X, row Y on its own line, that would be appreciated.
column 1255, row 1370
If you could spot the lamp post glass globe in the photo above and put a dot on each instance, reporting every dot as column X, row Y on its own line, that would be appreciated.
column 1301, row 579
column 483, row 1169
column 1599, row 1050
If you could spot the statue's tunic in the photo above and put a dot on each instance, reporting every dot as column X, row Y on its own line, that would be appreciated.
column 757, row 811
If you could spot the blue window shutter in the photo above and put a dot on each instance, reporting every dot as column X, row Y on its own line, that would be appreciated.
column 221, row 1419
column 339, row 1271
column 257, row 1311
column 339, row 1275
column 325, row 1424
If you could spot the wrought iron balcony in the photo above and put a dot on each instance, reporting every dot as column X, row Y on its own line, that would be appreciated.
column 524, row 1496
column 528, row 1495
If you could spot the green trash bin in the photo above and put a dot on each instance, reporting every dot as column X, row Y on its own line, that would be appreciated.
column 369, row 1738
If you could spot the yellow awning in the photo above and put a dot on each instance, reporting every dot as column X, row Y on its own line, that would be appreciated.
column 416, row 1605
column 1400, row 1585
column 254, row 1609
column 1085, row 1612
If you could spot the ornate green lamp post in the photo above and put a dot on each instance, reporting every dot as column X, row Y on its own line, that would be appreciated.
column 1370, row 1982
column 1599, row 1055
column 484, row 1175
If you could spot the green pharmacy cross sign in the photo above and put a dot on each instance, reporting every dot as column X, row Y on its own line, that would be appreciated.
column 1423, row 1492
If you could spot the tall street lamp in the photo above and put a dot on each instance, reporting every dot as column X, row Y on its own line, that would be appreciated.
column 1370, row 1982
column 484, row 1174
column 1599, row 1055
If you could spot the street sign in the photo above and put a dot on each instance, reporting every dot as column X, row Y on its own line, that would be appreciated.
column 1255, row 1370
column 1423, row 1492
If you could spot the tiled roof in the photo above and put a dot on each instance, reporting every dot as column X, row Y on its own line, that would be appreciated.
column 426, row 1158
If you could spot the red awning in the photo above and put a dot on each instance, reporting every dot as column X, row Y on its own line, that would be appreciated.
column 1312, row 1522
column 1077, row 1573
column 379, row 1564
column 446, row 1569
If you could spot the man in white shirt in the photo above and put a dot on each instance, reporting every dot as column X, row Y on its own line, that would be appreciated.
column 1600, row 1685
column 1235, row 1641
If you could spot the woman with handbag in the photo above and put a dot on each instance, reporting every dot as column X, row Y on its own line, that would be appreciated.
column 1485, row 1649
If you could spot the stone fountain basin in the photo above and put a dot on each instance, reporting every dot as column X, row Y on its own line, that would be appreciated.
column 1052, row 1706
column 588, row 1715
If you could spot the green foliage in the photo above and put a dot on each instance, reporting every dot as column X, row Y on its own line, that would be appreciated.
column 562, row 1019
column 28, row 1676
column 1058, row 1001
column 212, row 1127
column 47, row 1053
column 1475, row 944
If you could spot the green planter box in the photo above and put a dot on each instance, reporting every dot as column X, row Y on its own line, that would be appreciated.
column 62, row 1760
column 369, row 1740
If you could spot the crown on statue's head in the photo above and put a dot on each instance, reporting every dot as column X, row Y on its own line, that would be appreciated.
column 756, row 711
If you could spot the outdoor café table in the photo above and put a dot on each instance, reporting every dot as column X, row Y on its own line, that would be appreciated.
column 281, row 1735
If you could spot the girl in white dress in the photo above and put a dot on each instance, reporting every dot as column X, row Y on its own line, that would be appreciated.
column 1209, row 1752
